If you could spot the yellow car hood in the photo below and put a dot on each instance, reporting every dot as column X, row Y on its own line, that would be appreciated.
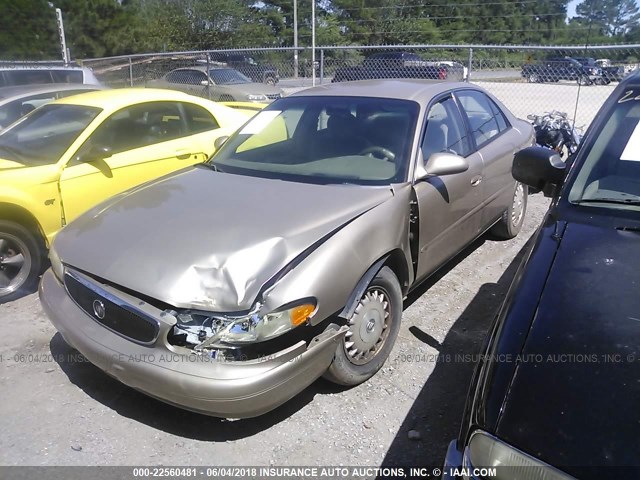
column 9, row 164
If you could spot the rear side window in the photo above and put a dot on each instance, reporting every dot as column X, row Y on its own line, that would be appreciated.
column 482, row 118
column 199, row 119
column 67, row 76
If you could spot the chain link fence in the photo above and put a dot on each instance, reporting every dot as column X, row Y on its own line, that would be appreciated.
column 527, row 79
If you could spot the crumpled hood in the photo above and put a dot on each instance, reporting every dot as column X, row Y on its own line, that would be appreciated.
column 202, row 239
column 574, row 398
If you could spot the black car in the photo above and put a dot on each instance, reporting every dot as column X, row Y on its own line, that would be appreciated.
column 400, row 65
column 558, row 384
column 555, row 69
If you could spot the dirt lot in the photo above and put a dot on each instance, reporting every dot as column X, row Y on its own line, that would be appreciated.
column 56, row 409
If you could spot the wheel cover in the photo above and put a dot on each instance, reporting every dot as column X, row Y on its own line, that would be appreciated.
column 15, row 263
column 368, row 327
column 517, row 209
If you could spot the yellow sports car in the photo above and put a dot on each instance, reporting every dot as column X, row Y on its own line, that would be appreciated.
column 72, row 154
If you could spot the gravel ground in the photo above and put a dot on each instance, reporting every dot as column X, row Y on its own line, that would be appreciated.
column 67, row 412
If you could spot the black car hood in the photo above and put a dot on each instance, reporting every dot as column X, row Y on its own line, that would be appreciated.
column 574, row 398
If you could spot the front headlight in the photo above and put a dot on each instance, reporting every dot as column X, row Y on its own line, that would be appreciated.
column 202, row 330
column 257, row 98
column 56, row 264
column 485, row 452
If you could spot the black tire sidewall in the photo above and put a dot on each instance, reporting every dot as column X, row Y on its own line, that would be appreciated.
column 36, row 251
column 342, row 371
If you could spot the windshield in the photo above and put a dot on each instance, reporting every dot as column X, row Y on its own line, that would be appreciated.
column 44, row 135
column 227, row 76
column 609, row 177
column 360, row 140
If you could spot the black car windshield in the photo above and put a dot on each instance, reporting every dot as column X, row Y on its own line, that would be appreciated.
column 609, row 177
column 360, row 140
column 228, row 76
column 44, row 135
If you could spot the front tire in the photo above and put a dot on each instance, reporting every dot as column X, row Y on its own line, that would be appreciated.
column 373, row 329
column 511, row 222
column 21, row 260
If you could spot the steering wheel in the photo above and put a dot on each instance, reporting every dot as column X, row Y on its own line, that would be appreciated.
column 382, row 153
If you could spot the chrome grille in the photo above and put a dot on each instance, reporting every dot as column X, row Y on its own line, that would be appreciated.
column 110, row 311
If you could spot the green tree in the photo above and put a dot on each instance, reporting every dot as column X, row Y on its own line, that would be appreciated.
column 28, row 30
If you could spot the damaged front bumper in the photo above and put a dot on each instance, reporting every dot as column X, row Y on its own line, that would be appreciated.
column 231, row 389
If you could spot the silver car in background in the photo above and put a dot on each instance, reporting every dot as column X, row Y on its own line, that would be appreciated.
column 228, row 287
column 222, row 84
column 16, row 102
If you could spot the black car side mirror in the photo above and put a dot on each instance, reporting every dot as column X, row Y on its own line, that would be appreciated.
column 95, row 153
column 539, row 168
column 220, row 141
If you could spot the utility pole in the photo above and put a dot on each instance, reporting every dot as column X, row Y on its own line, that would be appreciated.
column 63, row 42
column 295, row 39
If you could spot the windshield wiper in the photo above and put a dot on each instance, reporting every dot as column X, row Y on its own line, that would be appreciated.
column 212, row 166
column 617, row 201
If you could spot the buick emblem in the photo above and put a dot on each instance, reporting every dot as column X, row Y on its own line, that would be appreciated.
column 98, row 309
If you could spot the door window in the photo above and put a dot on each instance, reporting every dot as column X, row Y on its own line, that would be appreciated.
column 187, row 77
column 445, row 131
column 67, row 76
column 28, row 77
column 481, row 115
column 138, row 126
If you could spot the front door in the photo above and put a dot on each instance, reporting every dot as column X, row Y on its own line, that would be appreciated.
column 449, row 206
column 140, row 143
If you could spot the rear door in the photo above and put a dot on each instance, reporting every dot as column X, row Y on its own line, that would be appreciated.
column 496, row 142
column 449, row 206
column 142, row 142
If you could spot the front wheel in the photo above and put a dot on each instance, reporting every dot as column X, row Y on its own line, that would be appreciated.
column 21, row 259
column 373, row 329
column 511, row 222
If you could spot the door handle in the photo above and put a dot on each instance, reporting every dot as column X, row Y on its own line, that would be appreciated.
column 183, row 154
column 475, row 181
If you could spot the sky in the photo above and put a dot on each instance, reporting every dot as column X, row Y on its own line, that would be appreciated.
column 571, row 8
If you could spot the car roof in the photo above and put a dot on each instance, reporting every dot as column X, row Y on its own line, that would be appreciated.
column 407, row 89
column 34, row 89
column 122, row 97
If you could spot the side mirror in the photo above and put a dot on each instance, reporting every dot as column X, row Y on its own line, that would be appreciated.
column 220, row 141
column 205, row 83
column 540, row 168
column 440, row 164
column 95, row 153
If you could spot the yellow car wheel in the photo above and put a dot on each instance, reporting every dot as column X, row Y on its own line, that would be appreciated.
column 21, row 262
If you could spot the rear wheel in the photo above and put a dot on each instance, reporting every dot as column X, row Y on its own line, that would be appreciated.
column 270, row 80
column 21, row 260
column 511, row 222
column 533, row 78
column 373, row 329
